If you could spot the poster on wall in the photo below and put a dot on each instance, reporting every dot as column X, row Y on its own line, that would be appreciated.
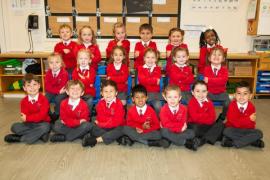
column 215, row 5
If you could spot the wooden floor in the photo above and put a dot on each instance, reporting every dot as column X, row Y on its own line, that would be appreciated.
column 71, row 161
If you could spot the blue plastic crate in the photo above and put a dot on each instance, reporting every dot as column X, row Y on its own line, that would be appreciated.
column 263, row 89
column 264, row 73
column 264, row 78
column 263, row 85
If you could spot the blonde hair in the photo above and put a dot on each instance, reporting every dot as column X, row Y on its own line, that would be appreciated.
column 118, row 25
column 124, row 61
column 171, row 88
column 84, row 51
column 56, row 56
column 65, row 26
column 93, row 41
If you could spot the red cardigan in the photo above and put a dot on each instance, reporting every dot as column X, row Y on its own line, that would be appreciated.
column 149, row 80
column 53, row 85
column 110, row 117
column 173, row 122
column 216, row 84
column 71, row 118
column 113, row 43
column 88, row 79
column 37, row 112
column 170, row 47
column 141, row 49
column 69, row 58
column 201, row 115
column 94, row 50
column 120, row 77
column 236, row 119
column 182, row 77
column 204, row 53
column 136, row 121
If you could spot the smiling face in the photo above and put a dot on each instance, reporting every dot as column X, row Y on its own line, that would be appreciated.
column 172, row 97
column 83, row 59
column 108, row 93
column 242, row 95
column 65, row 34
column 181, row 57
column 139, row 99
column 145, row 35
column 55, row 63
column 210, row 38
column 86, row 35
column 216, row 57
column 75, row 91
column 150, row 58
column 200, row 92
column 176, row 38
column 120, row 33
column 117, row 56
column 32, row 88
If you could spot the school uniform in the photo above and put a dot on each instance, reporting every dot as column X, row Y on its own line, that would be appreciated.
column 201, row 119
column 70, row 115
column 94, row 49
column 37, row 121
column 54, row 82
column 217, row 80
column 109, row 120
column 119, row 74
column 239, row 127
column 204, row 53
column 148, row 77
column 113, row 43
column 169, row 59
column 183, row 77
column 87, row 76
column 69, row 58
column 141, row 47
column 173, row 119
column 136, row 117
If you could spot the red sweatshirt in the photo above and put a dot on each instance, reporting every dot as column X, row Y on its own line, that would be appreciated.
column 53, row 85
column 113, row 43
column 69, row 58
column 119, row 76
column 36, row 112
column 94, row 50
column 182, row 77
column 149, row 79
column 110, row 117
column 136, row 121
column 170, row 48
column 204, row 53
column 236, row 119
column 71, row 118
column 141, row 49
column 201, row 115
column 216, row 84
column 88, row 79
column 173, row 122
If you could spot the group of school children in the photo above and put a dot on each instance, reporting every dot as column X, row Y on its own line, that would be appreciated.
column 69, row 83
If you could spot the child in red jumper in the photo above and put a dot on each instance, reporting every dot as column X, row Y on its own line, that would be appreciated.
column 208, row 40
column 87, row 40
column 87, row 75
column 173, row 117
column 149, row 76
column 142, row 123
column 74, row 115
column 176, row 36
column 241, row 121
column 110, row 117
column 117, row 70
column 55, row 81
column 66, row 48
column 146, row 33
column 180, row 73
column 202, row 116
column 216, row 77
column 35, row 123
column 119, row 33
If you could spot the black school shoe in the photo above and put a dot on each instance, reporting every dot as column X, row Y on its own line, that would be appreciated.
column 12, row 138
column 259, row 143
column 125, row 140
column 192, row 144
column 54, row 117
column 89, row 140
column 58, row 138
column 226, row 142
column 45, row 137
column 159, row 143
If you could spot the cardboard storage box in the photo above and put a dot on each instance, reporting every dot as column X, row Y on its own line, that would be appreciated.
column 243, row 71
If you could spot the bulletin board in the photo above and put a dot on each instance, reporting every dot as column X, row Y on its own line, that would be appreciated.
column 102, row 14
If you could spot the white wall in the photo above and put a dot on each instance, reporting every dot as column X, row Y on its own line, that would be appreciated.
column 231, row 27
